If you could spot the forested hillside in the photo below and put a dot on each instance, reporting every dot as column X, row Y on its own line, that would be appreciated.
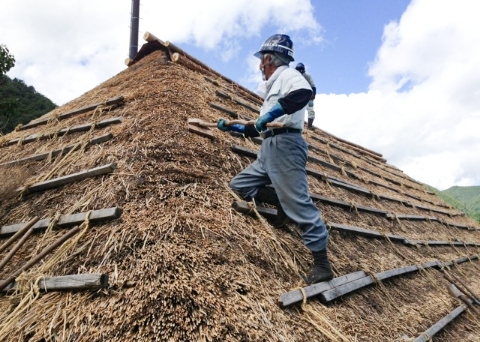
column 20, row 103
column 464, row 198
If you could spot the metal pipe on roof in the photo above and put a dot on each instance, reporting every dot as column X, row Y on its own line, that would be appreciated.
column 134, row 28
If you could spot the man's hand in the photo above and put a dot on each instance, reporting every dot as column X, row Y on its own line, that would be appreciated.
column 221, row 125
column 276, row 112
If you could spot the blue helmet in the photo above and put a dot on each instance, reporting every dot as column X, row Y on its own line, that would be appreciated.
column 279, row 43
column 300, row 67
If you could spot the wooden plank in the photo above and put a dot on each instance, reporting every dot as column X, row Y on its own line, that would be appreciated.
column 228, row 111
column 223, row 95
column 115, row 100
column 65, row 131
column 343, row 204
column 337, row 182
column 396, row 272
column 244, row 208
column 75, row 177
column 341, row 290
column 246, row 105
column 86, row 281
column 426, row 335
column 244, row 151
column 96, row 216
column 203, row 131
column 37, row 157
column 296, row 296
column 353, row 286
column 364, row 232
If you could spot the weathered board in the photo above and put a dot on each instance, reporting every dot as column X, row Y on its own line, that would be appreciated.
column 296, row 296
column 244, row 208
column 223, row 109
column 364, row 232
column 87, row 281
column 64, row 150
column 115, row 100
column 202, row 131
column 75, row 177
column 96, row 216
column 65, row 131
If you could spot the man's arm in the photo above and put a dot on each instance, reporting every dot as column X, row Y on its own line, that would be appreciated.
column 295, row 100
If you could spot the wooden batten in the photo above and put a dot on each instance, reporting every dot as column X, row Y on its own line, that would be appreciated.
column 63, row 150
column 65, row 221
column 75, row 177
column 88, row 281
column 65, row 131
column 112, row 101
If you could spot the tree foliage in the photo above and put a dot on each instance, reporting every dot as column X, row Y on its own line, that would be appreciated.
column 7, row 61
column 20, row 103
column 463, row 198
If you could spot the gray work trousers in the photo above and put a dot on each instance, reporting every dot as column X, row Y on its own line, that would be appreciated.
column 281, row 162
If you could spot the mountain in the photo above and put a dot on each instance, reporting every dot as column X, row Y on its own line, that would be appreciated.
column 468, row 197
column 20, row 103
column 464, row 198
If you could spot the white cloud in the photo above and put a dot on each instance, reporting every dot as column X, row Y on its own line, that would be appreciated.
column 66, row 48
column 422, row 108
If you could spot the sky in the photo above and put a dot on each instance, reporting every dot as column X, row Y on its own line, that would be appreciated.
column 400, row 77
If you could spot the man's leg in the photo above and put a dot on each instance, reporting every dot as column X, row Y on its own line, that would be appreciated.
column 247, row 182
column 286, row 168
column 311, row 114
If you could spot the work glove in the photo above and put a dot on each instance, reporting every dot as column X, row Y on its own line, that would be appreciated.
column 235, row 127
column 276, row 112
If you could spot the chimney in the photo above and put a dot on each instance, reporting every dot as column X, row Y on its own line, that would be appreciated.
column 134, row 28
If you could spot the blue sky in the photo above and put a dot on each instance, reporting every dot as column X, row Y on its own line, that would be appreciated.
column 351, row 35
column 400, row 77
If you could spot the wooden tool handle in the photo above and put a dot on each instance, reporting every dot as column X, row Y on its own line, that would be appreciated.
column 242, row 122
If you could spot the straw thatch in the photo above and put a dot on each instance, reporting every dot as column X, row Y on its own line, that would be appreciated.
column 182, row 264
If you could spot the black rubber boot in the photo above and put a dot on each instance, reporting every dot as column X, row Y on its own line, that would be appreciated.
column 321, row 268
column 269, row 196
column 310, row 124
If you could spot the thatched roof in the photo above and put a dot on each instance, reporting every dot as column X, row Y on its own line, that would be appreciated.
column 182, row 264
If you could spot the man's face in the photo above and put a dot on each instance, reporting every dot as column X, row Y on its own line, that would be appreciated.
column 265, row 66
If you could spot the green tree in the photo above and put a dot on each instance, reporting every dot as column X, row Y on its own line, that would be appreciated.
column 7, row 61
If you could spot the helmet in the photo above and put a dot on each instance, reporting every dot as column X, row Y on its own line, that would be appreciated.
column 280, row 43
column 300, row 67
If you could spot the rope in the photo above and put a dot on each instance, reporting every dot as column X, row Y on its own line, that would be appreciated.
column 327, row 181
column 28, row 288
column 354, row 207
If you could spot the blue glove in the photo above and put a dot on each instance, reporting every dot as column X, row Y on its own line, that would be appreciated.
column 276, row 112
column 235, row 127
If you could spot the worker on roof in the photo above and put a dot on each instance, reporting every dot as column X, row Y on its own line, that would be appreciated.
column 278, row 176
column 311, row 113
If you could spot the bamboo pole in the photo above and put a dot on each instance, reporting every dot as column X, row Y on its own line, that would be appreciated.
column 39, row 257
column 16, row 248
column 18, row 234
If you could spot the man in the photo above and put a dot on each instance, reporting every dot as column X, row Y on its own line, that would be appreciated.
column 283, row 155
column 311, row 113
